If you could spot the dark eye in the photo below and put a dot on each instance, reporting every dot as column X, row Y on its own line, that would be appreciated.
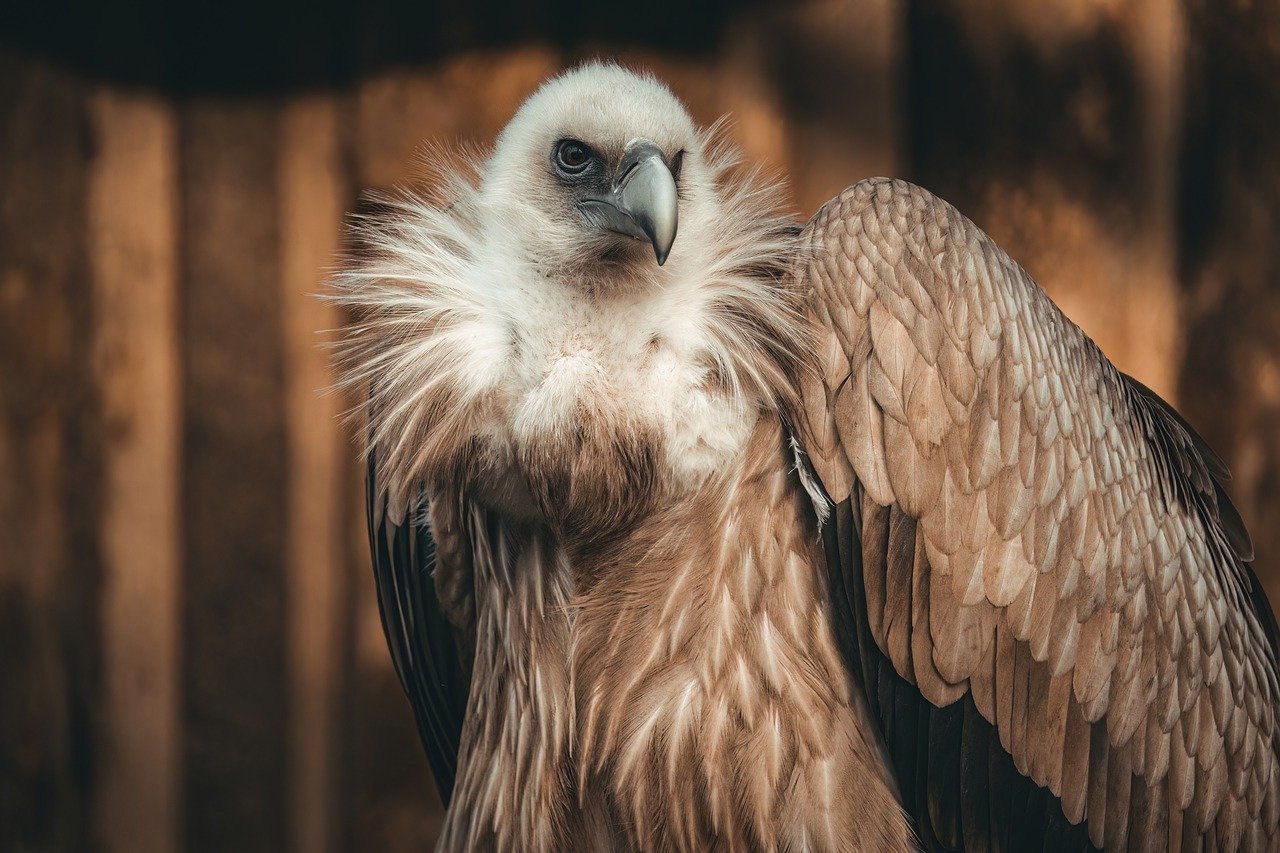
column 572, row 156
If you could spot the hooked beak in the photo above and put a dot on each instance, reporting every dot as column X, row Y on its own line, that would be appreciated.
column 642, row 202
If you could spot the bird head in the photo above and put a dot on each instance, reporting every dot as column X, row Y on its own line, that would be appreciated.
column 471, row 327
column 598, row 170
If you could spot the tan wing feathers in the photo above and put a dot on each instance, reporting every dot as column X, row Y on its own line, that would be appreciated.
column 1072, row 559
column 875, row 539
column 1075, row 764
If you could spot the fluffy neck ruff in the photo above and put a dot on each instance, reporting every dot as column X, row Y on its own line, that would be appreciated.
column 439, row 295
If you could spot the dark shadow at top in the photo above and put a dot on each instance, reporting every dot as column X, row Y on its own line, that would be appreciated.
column 242, row 47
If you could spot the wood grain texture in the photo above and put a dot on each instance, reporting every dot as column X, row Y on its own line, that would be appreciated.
column 313, row 194
column 50, row 451
column 133, row 223
column 234, row 540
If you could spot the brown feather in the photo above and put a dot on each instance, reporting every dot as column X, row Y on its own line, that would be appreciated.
column 1075, row 764
column 936, row 687
column 899, row 565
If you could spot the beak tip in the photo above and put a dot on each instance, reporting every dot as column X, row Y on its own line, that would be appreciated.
column 645, row 199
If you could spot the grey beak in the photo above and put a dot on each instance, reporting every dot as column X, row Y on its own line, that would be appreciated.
column 642, row 202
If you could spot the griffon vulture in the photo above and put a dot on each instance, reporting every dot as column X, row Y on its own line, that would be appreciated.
column 697, row 529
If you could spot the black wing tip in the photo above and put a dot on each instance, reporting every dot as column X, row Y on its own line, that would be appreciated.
column 1233, row 526
column 417, row 633
column 1212, row 461
column 1195, row 450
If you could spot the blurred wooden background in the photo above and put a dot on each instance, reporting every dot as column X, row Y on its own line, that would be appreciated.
column 189, row 649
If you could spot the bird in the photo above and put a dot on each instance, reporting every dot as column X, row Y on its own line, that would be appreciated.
column 695, row 526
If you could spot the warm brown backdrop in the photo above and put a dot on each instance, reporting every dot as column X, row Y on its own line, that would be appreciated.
column 189, row 649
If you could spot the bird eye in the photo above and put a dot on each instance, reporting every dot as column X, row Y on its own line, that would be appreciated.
column 572, row 156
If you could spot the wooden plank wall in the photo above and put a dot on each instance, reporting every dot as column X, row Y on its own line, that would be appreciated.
column 190, row 654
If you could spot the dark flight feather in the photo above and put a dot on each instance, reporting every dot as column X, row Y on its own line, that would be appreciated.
column 421, row 639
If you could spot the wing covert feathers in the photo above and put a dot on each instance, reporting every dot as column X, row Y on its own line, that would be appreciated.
column 1046, row 550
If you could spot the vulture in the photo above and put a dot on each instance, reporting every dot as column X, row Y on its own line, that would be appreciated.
column 697, row 528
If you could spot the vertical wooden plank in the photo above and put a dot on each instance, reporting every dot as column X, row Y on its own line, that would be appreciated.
column 1157, row 30
column 313, row 193
column 132, row 232
column 233, row 490
column 49, row 483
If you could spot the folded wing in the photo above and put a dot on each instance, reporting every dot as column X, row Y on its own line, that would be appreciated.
column 1045, row 587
